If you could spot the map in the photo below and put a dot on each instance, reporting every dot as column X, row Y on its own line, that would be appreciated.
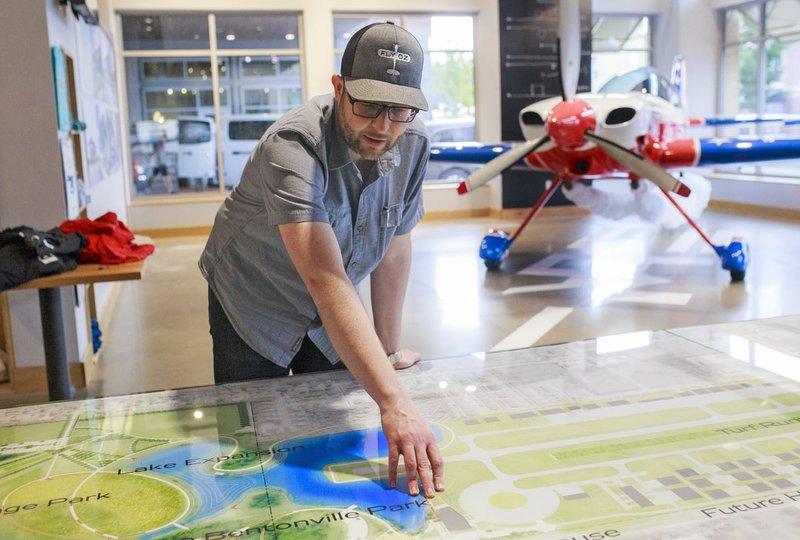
column 654, row 435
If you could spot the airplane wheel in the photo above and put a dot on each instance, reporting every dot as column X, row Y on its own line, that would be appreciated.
column 737, row 275
column 492, row 265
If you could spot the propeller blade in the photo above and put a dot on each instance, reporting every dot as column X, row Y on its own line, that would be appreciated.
column 499, row 164
column 639, row 165
column 569, row 46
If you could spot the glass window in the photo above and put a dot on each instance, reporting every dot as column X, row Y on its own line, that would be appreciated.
column 783, row 17
column 242, row 130
column 257, row 32
column 259, row 67
column 161, row 32
column 193, row 132
column 345, row 26
column 448, row 79
column 783, row 77
column 742, row 24
column 620, row 43
column 263, row 84
column 171, row 97
column 741, row 74
column 758, row 75
column 162, row 69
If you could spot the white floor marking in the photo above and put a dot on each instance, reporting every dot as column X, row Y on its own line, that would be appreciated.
column 569, row 283
column 684, row 243
column 530, row 332
column 652, row 297
column 579, row 243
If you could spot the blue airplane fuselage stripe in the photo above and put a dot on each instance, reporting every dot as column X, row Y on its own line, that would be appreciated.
column 733, row 121
column 468, row 154
column 720, row 151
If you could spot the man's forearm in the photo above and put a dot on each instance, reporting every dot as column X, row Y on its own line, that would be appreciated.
column 353, row 337
column 314, row 252
column 388, row 284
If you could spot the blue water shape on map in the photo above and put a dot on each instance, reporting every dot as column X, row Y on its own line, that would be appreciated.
column 299, row 472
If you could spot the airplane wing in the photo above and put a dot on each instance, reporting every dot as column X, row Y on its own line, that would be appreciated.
column 720, row 151
column 689, row 152
column 786, row 120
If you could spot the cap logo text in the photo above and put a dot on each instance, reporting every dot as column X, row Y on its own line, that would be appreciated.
column 394, row 55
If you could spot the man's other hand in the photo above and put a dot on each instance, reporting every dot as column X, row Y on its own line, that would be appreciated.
column 407, row 359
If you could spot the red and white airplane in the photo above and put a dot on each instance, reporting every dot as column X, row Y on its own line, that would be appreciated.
column 635, row 135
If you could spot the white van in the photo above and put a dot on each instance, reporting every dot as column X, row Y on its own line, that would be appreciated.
column 197, row 153
column 239, row 136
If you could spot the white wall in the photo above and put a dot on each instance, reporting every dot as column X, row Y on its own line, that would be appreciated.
column 31, row 180
column 691, row 28
column 31, row 186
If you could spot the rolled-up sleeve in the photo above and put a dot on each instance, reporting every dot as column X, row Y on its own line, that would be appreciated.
column 414, row 209
column 292, row 178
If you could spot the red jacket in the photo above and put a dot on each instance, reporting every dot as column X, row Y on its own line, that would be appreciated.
column 110, row 241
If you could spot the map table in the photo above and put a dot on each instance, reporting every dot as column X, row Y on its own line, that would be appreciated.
column 689, row 433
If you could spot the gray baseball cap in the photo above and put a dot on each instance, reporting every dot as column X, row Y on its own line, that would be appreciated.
column 383, row 62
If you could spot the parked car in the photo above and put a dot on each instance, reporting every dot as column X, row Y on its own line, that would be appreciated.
column 450, row 130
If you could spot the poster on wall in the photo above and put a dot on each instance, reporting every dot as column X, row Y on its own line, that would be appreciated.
column 71, row 187
column 100, row 111
column 64, row 116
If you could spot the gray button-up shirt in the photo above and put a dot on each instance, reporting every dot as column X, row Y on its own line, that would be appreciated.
column 301, row 170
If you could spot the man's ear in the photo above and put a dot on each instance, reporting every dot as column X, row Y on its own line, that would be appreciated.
column 338, row 85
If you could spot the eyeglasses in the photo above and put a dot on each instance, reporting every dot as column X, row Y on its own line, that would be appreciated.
column 367, row 109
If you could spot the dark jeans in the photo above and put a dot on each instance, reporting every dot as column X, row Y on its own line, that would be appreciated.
column 235, row 360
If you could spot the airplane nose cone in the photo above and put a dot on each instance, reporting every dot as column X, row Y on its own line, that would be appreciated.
column 568, row 121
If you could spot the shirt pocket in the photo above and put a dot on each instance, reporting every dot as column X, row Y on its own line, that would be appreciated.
column 391, row 217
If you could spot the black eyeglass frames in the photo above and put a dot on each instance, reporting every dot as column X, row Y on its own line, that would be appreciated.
column 368, row 109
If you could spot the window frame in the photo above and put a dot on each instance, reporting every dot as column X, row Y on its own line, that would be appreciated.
column 747, row 171
column 219, row 81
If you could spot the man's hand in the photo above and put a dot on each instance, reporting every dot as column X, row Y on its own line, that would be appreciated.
column 408, row 434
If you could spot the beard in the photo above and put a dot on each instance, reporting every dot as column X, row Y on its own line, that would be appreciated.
column 355, row 141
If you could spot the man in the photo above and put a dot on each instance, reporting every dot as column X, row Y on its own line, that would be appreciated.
column 327, row 198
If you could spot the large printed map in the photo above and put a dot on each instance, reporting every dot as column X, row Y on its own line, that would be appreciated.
column 670, row 439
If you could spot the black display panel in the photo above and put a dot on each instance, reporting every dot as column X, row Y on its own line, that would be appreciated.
column 529, row 73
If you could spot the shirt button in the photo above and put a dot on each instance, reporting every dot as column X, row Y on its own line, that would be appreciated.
column 360, row 228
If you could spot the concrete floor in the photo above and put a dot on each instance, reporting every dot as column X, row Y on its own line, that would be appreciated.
column 567, row 278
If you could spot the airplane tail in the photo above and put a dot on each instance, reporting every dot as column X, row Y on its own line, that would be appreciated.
column 678, row 78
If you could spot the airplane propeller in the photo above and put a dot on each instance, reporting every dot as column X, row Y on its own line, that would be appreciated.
column 569, row 47
column 571, row 122
column 639, row 165
column 500, row 164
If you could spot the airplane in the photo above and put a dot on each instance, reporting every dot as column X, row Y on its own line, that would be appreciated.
column 585, row 137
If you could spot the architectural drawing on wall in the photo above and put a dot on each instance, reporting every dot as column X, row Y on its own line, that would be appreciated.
column 96, row 58
column 103, row 154
column 99, row 108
